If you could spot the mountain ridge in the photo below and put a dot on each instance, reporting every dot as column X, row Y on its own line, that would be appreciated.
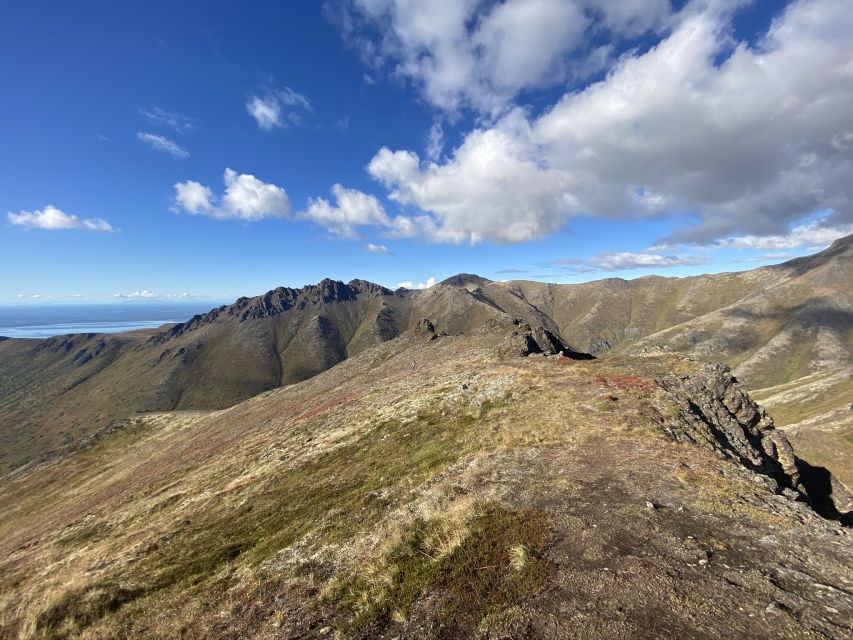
column 774, row 325
column 484, row 494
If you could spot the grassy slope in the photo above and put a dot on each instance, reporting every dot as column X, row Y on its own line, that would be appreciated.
column 50, row 393
column 478, row 494
column 817, row 414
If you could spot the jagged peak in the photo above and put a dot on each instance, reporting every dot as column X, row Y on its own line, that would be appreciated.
column 279, row 300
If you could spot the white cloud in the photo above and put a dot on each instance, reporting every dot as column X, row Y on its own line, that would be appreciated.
column 766, row 257
column 147, row 294
column 813, row 234
column 245, row 198
column 352, row 209
column 626, row 261
column 161, row 143
column 466, row 53
column 266, row 111
column 748, row 139
column 408, row 284
column 524, row 42
column 491, row 188
column 52, row 219
column 194, row 197
column 435, row 141
column 378, row 248
column 276, row 108
column 174, row 121
column 141, row 294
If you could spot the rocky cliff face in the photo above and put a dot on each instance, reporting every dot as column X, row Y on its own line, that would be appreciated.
column 716, row 412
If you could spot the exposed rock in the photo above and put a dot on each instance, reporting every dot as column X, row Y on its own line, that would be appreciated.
column 427, row 328
column 716, row 412
column 465, row 280
column 278, row 301
column 526, row 341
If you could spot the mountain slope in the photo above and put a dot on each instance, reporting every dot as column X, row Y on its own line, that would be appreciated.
column 59, row 390
column 774, row 325
column 65, row 387
column 481, row 495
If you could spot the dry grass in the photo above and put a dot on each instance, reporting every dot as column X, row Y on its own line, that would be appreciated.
column 362, row 500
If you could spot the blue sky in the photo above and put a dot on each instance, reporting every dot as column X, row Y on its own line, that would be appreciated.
column 218, row 149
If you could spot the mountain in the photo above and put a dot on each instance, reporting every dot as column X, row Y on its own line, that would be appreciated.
column 56, row 391
column 787, row 330
column 435, row 487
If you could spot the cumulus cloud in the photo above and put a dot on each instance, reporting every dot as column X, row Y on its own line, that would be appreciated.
column 160, row 117
column 277, row 108
column 378, row 248
column 626, row 261
column 161, row 143
column 245, row 198
column 352, row 209
column 409, row 284
column 747, row 139
column 466, row 53
column 491, row 188
column 51, row 219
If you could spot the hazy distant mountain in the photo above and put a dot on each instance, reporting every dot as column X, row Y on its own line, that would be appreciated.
column 776, row 325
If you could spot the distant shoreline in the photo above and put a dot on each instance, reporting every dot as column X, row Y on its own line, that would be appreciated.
column 61, row 329
column 31, row 321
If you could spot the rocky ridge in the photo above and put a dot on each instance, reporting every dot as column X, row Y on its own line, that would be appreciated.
column 436, row 486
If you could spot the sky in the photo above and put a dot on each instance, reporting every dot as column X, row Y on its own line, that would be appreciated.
column 213, row 149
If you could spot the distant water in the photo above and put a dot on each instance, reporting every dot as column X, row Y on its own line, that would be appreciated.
column 46, row 320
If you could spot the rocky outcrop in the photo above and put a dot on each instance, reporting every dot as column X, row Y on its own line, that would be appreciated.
column 526, row 340
column 425, row 327
column 716, row 412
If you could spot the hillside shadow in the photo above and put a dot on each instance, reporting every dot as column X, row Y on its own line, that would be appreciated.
column 818, row 484
column 811, row 312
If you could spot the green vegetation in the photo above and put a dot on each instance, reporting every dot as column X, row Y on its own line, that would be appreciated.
column 344, row 481
column 496, row 565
